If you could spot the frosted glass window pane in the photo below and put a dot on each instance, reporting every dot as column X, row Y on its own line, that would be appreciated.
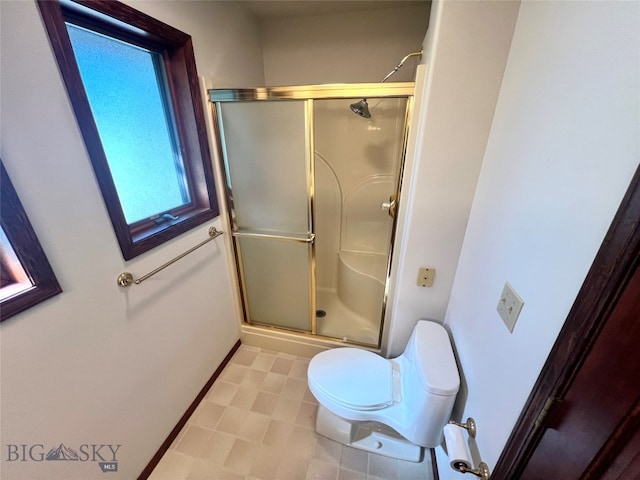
column 125, row 91
column 276, row 277
column 13, row 277
column 265, row 146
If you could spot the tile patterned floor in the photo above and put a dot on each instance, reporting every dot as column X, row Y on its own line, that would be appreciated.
column 258, row 422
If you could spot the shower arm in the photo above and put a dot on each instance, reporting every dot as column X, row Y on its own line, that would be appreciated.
column 397, row 67
column 361, row 108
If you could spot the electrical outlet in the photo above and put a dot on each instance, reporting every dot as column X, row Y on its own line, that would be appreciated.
column 509, row 306
column 425, row 276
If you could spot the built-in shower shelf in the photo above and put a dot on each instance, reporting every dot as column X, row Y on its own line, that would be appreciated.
column 372, row 265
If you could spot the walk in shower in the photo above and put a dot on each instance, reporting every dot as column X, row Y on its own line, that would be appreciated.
column 311, row 191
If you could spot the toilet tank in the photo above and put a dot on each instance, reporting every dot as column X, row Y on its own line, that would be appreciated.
column 430, row 382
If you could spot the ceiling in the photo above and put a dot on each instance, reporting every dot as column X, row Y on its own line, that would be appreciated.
column 275, row 9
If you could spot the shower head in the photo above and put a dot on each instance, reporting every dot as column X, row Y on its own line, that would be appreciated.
column 361, row 108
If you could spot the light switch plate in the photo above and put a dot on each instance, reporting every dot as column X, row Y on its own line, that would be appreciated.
column 425, row 277
column 509, row 306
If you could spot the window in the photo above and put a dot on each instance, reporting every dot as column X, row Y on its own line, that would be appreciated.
column 26, row 278
column 133, row 85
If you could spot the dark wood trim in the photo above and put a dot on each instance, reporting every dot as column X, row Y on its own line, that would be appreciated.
column 187, row 414
column 613, row 267
column 25, row 243
column 158, row 35
column 177, row 50
column 434, row 464
column 620, row 437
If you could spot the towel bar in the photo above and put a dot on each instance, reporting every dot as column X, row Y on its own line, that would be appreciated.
column 125, row 279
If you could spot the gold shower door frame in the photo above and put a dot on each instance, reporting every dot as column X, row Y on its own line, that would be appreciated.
column 306, row 93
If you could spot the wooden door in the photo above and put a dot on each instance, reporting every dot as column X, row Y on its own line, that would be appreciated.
column 599, row 403
column 582, row 418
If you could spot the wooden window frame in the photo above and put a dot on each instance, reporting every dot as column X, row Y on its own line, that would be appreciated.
column 23, row 239
column 120, row 21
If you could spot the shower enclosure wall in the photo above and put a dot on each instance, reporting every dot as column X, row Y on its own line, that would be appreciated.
column 311, row 191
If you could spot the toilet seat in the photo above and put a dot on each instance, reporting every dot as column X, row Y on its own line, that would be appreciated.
column 353, row 378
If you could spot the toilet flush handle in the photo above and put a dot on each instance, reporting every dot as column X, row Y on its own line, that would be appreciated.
column 390, row 206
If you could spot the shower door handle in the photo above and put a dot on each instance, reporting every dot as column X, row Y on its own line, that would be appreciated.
column 390, row 206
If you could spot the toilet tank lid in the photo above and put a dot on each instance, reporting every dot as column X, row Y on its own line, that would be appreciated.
column 438, row 370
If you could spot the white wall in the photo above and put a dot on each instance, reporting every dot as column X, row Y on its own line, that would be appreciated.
column 97, row 364
column 465, row 53
column 226, row 38
column 343, row 48
column 563, row 146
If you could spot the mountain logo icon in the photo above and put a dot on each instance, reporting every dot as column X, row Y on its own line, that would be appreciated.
column 62, row 453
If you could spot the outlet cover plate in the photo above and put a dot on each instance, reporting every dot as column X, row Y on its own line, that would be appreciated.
column 425, row 276
column 509, row 306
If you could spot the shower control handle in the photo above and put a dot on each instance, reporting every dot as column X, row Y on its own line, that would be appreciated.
column 390, row 206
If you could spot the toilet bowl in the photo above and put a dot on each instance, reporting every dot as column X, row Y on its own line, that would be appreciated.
column 394, row 407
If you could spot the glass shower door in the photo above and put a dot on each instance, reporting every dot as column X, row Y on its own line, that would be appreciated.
column 269, row 172
column 358, row 163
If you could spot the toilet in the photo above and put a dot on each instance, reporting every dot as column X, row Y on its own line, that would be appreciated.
column 394, row 407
